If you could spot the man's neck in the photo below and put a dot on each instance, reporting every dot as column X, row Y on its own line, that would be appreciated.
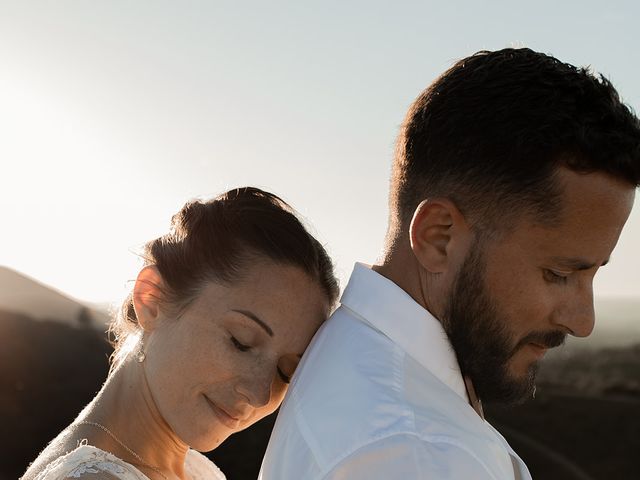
column 405, row 273
column 402, row 269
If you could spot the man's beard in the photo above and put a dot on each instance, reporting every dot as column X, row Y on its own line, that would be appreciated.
column 481, row 340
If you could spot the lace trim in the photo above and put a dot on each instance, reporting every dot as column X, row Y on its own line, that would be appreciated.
column 89, row 459
column 96, row 466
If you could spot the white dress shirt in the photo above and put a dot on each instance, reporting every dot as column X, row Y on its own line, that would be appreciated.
column 379, row 395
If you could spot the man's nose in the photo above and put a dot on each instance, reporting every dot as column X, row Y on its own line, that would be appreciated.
column 579, row 315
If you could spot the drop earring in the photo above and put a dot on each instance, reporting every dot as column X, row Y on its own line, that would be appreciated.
column 140, row 356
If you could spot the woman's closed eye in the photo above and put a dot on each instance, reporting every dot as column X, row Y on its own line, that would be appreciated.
column 245, row 348
column 287, row 366
column 240, row 346
column 285, row 378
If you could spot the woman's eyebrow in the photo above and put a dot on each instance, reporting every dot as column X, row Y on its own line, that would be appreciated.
column 255, row 318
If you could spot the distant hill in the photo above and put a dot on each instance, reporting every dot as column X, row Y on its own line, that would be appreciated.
column 595, row 372
column 22, row 294
column 49, row 370
column 586, row 413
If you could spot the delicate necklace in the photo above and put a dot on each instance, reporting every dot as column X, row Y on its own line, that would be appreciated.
column 112, row 435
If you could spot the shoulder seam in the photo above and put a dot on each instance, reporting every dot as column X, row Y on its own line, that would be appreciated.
column 437, row 439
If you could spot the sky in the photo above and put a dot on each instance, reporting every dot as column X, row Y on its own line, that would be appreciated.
column 115, row 113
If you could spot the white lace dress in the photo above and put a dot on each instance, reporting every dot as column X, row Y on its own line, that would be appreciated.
column 87, row 459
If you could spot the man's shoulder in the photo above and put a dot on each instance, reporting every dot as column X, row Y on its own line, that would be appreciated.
column 355, row 385
column 357, row 391
column 347, row 359
column 406, row 455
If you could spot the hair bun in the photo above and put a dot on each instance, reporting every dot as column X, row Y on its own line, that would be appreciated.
column 216, row 239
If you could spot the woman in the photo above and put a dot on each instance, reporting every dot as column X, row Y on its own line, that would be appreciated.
column 205, row 344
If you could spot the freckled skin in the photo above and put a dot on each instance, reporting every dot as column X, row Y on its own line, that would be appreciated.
column 171, row 401
column 194, row 365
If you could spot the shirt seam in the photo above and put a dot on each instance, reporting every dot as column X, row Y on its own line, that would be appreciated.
column 398, row 375
column 431, row 439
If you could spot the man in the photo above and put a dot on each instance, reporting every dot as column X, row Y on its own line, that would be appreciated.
column 513, row 177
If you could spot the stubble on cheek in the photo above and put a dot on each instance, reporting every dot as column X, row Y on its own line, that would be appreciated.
column 478, row 330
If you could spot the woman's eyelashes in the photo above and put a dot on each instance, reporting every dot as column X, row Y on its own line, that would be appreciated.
column 283, row 377
column 240, row 346
column 244, row 348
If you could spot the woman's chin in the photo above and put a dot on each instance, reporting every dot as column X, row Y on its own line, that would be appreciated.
column 206, row 444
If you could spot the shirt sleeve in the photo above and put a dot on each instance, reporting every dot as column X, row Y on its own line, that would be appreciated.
column 408, row 457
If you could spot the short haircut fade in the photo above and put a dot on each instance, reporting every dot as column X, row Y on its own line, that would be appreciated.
column 491, row 131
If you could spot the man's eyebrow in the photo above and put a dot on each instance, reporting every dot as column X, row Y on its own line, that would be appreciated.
column 255, row 318
column 576, row 263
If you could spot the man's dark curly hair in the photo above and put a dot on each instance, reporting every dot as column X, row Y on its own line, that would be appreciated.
column 490, row 133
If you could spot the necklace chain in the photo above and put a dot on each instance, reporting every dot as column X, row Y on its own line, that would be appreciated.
column 112, row 435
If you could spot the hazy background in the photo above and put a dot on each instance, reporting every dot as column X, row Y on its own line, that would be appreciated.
column 114, row 113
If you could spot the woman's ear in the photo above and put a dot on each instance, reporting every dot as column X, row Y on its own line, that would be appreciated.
column 147, row 295
column 439, row 235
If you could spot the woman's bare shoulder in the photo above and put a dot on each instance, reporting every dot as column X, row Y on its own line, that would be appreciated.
column 58, row 447
column 91, row 463
column 66, row 457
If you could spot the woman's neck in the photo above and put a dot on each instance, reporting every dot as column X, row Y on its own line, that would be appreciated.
column 126, row 407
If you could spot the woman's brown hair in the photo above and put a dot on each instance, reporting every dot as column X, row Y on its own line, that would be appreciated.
column 215, row 240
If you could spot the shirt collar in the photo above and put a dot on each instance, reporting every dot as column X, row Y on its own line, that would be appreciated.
column 392, row 311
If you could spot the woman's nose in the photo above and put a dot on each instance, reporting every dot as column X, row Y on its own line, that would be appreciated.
column 256, row 389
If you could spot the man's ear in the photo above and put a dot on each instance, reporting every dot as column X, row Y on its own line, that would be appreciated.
column 147, row 295
column 439, row 234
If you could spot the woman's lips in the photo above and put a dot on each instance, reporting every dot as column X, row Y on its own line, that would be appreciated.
column 228, row 420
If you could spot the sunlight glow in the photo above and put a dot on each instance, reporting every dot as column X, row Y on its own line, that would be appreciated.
column 110, row 122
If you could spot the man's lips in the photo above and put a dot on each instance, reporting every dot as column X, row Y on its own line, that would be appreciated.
column 538, row 350
column 541, row 342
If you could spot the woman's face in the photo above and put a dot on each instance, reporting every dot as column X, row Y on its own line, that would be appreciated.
column 224, row 363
